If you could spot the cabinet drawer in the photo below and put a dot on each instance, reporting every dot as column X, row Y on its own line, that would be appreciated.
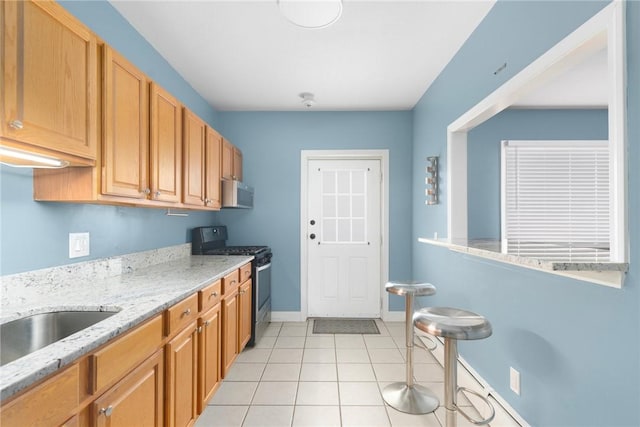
column 181, row 314
column 136, row 400
column 119, row 357
column 230, row 282
column 210, row 295
column 52, row 402
column 245, row 272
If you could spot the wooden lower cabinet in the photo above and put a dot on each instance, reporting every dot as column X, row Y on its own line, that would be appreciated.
column 161, row 373
column 182, row 380
column 209, row 341
column 72, row 422
column 49, row 403
column 244, row 316
column 136, row 400
column 230, row 312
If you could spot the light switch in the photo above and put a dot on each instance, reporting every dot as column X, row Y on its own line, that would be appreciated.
column 78, row 245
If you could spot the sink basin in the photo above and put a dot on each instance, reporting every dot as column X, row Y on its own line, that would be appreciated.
column 28, row 334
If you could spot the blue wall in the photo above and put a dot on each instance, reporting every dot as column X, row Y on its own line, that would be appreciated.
column 35, row 234
column 483, row 153
column 271, row 145
column 576, row 344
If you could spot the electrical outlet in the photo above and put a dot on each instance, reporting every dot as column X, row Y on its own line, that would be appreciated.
column 78, row 245
column 514, row 380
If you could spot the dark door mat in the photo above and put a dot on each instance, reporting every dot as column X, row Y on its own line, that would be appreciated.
column 345, row 326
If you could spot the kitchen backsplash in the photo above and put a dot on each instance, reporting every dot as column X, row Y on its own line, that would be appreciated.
column 16, row 288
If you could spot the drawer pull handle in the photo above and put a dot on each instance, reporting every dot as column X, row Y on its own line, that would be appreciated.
column 207, row 323
column 199, row 329
column 213, row 294
column 16, row 124
column 107, row 411
column 186, row 312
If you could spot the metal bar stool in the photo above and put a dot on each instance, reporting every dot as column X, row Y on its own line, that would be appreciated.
column 454, row 324
column 407, row 396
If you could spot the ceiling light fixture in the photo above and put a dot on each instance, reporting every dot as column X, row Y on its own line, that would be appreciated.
column 307, row 99
column 311, row 13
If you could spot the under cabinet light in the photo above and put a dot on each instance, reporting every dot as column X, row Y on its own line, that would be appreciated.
column 23, row 159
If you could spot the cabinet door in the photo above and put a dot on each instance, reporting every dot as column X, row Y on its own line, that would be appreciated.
column 126, row 136
column 182, row 370
column 213, row 167
column 49, row 403
column 237, row 164
column 244, row 318
column 227, row 159
column 209, row 356
column 136, row 400
column 166, row 146
column 230, row 311
column 194, row 158
column 49, row 78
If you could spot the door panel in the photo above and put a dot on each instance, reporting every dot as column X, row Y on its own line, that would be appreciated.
column 343, row 238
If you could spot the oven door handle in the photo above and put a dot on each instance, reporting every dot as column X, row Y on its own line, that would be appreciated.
column 263, row 267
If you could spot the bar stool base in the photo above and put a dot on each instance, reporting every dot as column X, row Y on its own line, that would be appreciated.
column 414, row 399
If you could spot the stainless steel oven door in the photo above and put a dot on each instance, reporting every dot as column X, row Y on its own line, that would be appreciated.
column 263, row 299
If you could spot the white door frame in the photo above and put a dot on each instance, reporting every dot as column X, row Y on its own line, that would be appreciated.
column 383, row 157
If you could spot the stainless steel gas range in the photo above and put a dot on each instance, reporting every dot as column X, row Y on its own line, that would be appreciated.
column 211, row 240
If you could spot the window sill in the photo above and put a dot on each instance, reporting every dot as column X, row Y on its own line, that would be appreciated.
column 610, row 274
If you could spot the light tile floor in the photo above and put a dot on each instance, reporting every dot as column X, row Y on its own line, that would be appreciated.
column 293, row 377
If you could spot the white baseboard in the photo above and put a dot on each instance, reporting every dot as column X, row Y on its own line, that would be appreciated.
column 296, row 316
column 287, row 316
column 468, row 377
column 393, row 316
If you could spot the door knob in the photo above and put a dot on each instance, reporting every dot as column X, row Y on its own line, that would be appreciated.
column 312, row 222
column 312, row 236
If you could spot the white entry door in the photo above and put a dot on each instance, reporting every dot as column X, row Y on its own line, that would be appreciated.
column 343, row 238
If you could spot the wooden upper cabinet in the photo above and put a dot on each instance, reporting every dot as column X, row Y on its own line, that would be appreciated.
column 201, row 163
column 166, row 146
column 213, row 165
column 125, row 146
column 49, row 81
column 231, row 161
column 227, row 159
column 237, row 164
column 194, row 131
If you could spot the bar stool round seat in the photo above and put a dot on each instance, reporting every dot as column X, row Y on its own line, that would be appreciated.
column 448, row 322
column 406, row 396
column 454, row 324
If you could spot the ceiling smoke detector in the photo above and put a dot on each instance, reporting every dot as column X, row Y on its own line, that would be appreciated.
column 307, row 99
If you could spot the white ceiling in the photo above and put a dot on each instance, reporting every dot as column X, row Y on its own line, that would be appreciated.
column 244, row 55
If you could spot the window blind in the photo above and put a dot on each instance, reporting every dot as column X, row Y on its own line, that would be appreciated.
column 555, row 200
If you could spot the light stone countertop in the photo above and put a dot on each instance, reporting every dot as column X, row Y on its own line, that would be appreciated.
column 137, row 292
column 610, row 274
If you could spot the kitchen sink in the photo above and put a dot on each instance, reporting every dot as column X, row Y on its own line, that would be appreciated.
column 28, row 334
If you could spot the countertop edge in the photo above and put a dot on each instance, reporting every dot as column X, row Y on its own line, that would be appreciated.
column 611, row 274
column 20, row 374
